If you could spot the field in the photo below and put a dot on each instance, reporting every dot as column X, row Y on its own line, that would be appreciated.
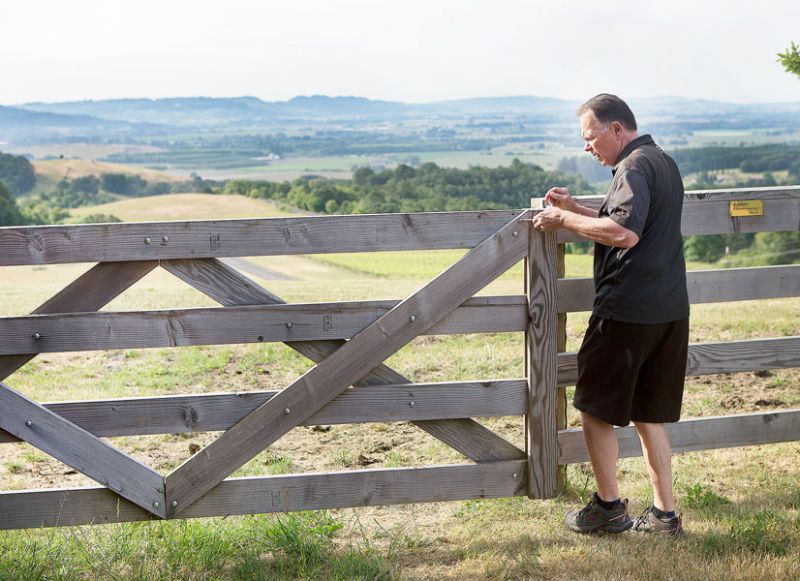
column 50, row 172
column 741, row 506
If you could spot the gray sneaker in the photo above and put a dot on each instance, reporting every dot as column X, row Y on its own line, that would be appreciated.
column 648, row 522
column 594, row 518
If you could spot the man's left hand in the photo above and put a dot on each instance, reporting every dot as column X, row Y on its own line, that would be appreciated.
column 549, row 219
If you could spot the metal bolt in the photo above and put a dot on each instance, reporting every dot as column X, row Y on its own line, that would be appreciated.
column 165, row 239
column 147, row 240
column 412, row 318
column 288, row 324
column 156, row 504
column 28, row 424
column 287, row 411
column 174, row 503
column 411, row 404
column 37, row 336
column 514, row 475
column 515, row 233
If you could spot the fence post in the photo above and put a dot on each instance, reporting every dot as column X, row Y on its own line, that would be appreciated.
column 541, row 350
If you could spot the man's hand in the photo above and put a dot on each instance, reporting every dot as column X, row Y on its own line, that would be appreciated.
column 561, row 198
column 550, row 218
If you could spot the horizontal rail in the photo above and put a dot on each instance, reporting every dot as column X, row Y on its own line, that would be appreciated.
column 708, row 211
column 356, row 488
column 253, row 237
column 215, row 412
column 705, row 212
column 704, row 286
column 708, row 358
column 232, row 325
column 696, row 434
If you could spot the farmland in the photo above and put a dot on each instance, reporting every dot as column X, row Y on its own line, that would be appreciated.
column 741, row 506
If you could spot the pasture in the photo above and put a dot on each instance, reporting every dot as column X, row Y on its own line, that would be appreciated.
column 741, row 506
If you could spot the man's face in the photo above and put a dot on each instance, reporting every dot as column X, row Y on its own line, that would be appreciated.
column 600, row 139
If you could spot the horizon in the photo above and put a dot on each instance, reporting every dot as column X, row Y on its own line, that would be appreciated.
column 353, row 96
column 418, row 53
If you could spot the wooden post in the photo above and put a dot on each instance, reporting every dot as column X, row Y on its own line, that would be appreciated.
column 541, row 342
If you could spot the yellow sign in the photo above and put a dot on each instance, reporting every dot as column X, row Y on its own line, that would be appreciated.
column 747, row 208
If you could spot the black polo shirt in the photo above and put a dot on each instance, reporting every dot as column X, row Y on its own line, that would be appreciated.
column 647, row 283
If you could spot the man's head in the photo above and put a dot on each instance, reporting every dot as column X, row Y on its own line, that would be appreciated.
column 607, row 126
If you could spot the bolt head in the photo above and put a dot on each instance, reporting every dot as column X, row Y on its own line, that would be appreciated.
column 147, row 240
column 411, row 404
column 515, row 233
column 287, row 411
column 165, row 239
column 412, row 318
column 156, row 504
column 37, row 336
column 174, row 503
column 514, row 476
column 28, row 424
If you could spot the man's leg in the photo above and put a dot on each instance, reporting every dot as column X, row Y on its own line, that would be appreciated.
column 601, row 442
column 658, row 456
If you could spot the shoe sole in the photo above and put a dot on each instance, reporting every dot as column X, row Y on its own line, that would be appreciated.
column 603, row 528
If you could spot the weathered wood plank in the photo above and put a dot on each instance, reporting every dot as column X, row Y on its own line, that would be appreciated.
column 348, row 364
column 229, row 287
column 696, row 434
column 230, row 325
column 707, row 211
column 214, row 412
column 708, row 358
column 704, row 286
column 80, row 506
column 89, row 292
column 541, row 353
column 81, row 450
column 252, row 237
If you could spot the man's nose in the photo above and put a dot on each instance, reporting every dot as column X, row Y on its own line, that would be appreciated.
column 587, row 147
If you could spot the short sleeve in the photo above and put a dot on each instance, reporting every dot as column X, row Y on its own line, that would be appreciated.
column 629, row 202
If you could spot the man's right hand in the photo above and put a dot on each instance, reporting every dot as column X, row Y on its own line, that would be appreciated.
column 561, row 198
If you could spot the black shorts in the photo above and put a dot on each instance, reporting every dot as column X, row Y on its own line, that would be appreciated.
column 630, row 371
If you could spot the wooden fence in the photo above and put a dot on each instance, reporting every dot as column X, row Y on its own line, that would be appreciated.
column 349, row 342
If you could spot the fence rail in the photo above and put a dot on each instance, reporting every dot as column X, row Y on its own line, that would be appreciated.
column 348, row 341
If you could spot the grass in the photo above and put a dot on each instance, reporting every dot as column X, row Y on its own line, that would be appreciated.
column 183, row 207
column 741, row 506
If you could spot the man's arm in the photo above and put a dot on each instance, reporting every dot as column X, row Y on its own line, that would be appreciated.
column 565, row 212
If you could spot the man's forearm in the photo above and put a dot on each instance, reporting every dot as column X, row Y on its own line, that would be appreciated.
column 602, row 230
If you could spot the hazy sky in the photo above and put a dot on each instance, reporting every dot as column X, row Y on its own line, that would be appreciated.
column 412, row 51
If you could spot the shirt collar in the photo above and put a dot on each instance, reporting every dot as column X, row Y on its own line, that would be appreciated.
column 639, row 141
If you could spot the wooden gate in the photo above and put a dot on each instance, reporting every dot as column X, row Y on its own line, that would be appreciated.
column 349, row 342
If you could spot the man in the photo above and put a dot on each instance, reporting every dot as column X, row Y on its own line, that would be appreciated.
column 632, row 362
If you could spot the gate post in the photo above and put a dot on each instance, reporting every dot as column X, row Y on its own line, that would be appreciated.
column 541, row 351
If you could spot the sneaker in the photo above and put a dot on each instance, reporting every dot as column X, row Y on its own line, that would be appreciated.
column 595, row 518
column 648, row 522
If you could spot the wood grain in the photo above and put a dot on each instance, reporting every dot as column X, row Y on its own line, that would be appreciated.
column 541, row 345
column 175, row 414
column 237, row 325
column 80, row 506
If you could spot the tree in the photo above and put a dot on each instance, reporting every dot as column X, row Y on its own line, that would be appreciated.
column 17, row 172
column 9, row 212
column 790, row 59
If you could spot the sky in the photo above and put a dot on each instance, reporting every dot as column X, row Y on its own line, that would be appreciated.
column 411, row 51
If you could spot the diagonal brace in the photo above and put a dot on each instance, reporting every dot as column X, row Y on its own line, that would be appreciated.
column 230, row 288
column 81, row 450
column 348, row 364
